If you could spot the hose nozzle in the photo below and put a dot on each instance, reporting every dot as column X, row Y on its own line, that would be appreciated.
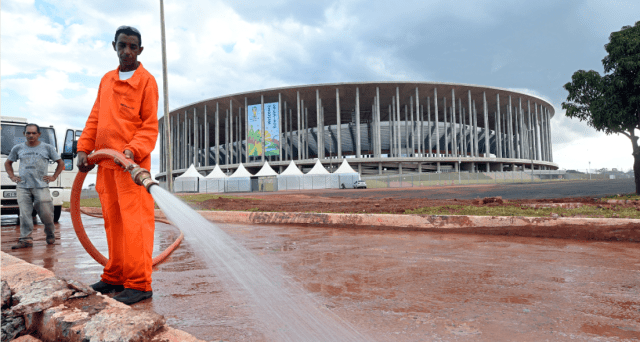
column 141, row 176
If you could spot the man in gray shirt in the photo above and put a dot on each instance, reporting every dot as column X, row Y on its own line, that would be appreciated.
column 33, row 183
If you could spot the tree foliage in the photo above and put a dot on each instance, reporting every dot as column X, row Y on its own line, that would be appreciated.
column 611, row 103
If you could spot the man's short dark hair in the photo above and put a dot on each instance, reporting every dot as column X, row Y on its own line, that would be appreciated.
column 129, row 31
column 31, row 124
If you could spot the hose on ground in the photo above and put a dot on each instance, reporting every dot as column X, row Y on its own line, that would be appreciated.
column 140, row 176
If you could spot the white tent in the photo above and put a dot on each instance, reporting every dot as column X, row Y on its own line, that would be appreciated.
column 291, row 178
column 188, row 181
column 266, row 171
column 213, row 182
column 239, row 181
column 345, row 176
column 266, row 179
column 317, row 178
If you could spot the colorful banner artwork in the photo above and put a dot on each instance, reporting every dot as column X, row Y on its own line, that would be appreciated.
column 272, row 125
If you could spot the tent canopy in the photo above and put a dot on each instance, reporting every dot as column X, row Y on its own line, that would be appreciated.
column 191, row 173
column 216, row 173
column 318, row 169
column 292, row 170
column 345, row 168
column 241, row 172
column 266, row 171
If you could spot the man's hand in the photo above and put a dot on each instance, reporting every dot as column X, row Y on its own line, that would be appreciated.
column 83, row 163
column 128, row 154
column 49, row 179
column 15, row 179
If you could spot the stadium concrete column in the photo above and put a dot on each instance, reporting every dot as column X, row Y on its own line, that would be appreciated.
column 520, row 130
column 487, row 149
column 378, row 135
column 290, row 134
column 510, row 129
column 549, row 133
column 230, row 132
column 246, row 130
column 529, row 135
column 445, row 128
column 226, row 138
column 419, row 125
column 318, row 123
column 217, row 130
column 437, row 132
column 498, row 131
column 307, row 132
column 358, row 144
column 239, row 125
column 429, row 123
column 398, row 138
column 475, row 130
column 264, row 142
column 543, row 152
column 286, row 130
column 534, row 139
column 406, row 131
column 206, row 137
column 463, row 128
column 453, row 120
column 390, row 127
column 412, row 129
column 422, row 149
column 185, row 145
column 470, row 126
column 195, row 138
column 298, row 123
column 546, row 135
column 339, row 123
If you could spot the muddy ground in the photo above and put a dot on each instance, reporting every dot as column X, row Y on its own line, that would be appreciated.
column 394, row 201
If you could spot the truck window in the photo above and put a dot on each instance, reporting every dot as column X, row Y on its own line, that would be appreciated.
column 13, row 135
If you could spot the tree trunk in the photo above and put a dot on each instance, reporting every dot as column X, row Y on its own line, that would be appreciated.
column 636, row 162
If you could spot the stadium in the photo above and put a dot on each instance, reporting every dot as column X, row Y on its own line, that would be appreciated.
column 378, row 127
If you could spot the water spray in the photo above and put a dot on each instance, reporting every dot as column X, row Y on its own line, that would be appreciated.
column 139, row 175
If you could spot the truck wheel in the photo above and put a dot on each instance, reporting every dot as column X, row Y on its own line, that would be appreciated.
column 57, row 210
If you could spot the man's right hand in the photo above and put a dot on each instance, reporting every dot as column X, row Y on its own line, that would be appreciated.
column 16, row 179
column 83, row 163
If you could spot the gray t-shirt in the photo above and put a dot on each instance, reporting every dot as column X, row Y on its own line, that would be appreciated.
column 34, row 163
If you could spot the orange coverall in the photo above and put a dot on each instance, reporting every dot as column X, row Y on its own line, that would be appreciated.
column 123, row 117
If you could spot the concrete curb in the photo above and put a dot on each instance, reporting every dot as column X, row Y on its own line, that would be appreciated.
column 546, row 227
column 54, row 309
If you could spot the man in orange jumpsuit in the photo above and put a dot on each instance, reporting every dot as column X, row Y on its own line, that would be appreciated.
column 124, row 118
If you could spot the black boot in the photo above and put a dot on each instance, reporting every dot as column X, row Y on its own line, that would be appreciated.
column 131, row 296
column 106, row 288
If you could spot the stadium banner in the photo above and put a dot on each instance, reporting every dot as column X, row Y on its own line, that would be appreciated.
column 271, row 128
column 272, row 124
column 254, row 143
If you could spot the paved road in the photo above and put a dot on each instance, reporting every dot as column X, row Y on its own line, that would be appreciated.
column 594, row 188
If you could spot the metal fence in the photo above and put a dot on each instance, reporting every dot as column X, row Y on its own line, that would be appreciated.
column 465, row 178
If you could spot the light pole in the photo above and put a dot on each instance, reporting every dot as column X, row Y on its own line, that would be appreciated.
column 165, row 88
column 531, row 153
column 589, row 170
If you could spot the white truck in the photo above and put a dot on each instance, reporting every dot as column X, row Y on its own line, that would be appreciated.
column 12, row 134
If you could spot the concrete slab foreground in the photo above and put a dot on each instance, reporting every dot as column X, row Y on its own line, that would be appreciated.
column 545, row 227
column 54, row 309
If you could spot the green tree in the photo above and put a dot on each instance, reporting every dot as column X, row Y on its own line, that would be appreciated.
column 611, row 103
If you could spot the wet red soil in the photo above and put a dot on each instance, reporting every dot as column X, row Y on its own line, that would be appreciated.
column 390, row 285
column 384, row 201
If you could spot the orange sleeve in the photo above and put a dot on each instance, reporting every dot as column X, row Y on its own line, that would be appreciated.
column 144, row 139
column 87, row 141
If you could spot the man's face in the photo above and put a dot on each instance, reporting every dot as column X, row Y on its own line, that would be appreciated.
column 31, row 133
column 128, row 49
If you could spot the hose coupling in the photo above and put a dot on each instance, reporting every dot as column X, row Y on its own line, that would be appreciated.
column 141, row 176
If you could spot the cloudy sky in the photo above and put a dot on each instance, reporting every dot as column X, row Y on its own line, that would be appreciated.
column 54, row 52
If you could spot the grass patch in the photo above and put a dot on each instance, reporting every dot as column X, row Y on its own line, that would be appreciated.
column 198, row 198
column 630, row 196
column 85, row 202
column 584, row 211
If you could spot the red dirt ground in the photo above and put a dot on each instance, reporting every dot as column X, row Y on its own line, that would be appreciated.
column 374, row 201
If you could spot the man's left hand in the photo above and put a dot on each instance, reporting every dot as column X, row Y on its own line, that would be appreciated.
column 49, row 179
column 128, row 154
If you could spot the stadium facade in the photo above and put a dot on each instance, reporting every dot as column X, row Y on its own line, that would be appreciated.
column 381, row 127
